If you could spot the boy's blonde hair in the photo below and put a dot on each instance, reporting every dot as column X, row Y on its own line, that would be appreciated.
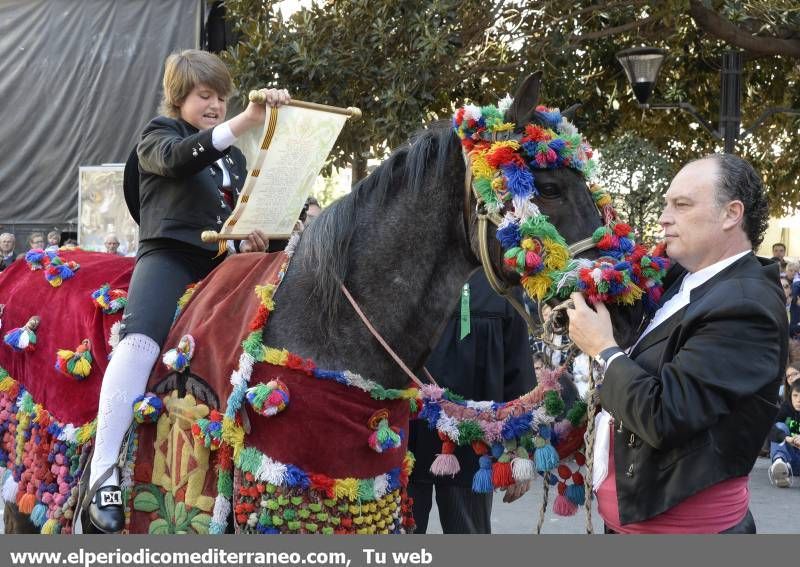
column 186, row 69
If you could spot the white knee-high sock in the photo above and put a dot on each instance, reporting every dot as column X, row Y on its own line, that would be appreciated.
column 124, row 380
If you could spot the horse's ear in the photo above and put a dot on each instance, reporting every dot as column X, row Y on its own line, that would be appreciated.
column 569, row 113
column 525, row 99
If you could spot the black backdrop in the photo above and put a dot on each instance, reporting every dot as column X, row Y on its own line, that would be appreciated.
column 78, row 81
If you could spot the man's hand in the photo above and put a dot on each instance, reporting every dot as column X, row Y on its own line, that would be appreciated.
column 256, row 241
column 516, row 491
column 589, row 328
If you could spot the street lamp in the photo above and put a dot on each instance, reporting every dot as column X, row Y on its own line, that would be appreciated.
column 642, row 64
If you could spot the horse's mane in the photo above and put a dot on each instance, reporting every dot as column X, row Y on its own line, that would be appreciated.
column 326, row 242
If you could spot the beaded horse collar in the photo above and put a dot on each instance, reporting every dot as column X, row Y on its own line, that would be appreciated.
column 500, row 162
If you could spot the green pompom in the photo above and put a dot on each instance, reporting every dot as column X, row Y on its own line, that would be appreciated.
column 553, row 404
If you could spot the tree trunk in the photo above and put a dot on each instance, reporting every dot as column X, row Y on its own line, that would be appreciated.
column 359, row 165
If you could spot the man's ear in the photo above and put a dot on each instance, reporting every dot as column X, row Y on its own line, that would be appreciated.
column 734, row 214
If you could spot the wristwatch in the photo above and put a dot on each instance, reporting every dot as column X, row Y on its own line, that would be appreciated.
column 604, row 356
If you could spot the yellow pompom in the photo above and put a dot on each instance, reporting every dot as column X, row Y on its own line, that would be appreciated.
column 275, row 356
column 233, row 435
column 346, row 488
column 556, row 255
column 536, row 286
column 265, row 293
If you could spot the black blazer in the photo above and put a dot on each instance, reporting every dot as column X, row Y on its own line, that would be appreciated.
column 179, row 183
column 697, row 397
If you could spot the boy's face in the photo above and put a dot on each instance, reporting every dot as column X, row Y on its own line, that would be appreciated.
column 796, row 400
column 204, row 108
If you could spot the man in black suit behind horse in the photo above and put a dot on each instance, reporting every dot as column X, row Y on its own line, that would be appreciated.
column 687, row 409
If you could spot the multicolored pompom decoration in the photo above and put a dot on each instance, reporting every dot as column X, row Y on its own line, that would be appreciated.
column 268, row 399
column 502, row 178
column 110, row 300
column 209, row 430
column 58, row 271
column 39, row 259
column 76, row 364
column 147, row 408
column 23, row 338
column 178, row 358
column 385, row 438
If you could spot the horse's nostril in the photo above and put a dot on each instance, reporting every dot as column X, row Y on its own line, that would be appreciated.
column 560, row 322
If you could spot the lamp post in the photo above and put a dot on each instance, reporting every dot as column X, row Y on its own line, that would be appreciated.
column 642, row 64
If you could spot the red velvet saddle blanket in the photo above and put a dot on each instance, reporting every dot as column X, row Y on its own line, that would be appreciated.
column 68, row 315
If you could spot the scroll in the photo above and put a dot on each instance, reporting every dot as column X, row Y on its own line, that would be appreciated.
column 296, row 142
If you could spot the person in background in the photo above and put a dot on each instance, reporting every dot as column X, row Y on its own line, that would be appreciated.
column 35, row 242
column 778, row 251
column 488, row 361
column 785, row 434
column 312, row 210
column 7, row 243
column 53, row 238
column 111, row 242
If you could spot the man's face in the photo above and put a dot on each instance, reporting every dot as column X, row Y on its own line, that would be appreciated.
column 7, row 244
column 111, row 246
column 796, row 400
column 37, row 242
column 779, row 251
column 312, row 213
column 692, row 220
column 787, row 288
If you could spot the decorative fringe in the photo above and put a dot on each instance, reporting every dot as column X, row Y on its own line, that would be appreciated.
column 23, row 338
column 563, row 506
column 147, row 408
column 26, row 503
column 482, row 481
column 184, row 299
column 446, row 463
column 39, row 515
column 110, row 300
column 385, row 438
column 10, row 487
column 209, row 430
column 546, row 458
column 51, row 527
column 177, row 359
column 219, row 521
column 576, row 494
column 77, row 364
column 268, row 399
column 58, row 271
column 502, row 475
column 521, row 466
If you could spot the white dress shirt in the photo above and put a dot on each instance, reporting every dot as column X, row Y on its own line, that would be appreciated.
column 603, row 422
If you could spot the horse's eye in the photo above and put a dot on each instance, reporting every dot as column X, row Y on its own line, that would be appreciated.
column 549, row 190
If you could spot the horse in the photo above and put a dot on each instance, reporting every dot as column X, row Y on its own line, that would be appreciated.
column 400, row 246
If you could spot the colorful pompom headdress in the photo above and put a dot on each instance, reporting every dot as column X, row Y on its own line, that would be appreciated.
column 501, row 160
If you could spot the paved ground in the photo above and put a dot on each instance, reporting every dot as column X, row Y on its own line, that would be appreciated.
column 775, row 510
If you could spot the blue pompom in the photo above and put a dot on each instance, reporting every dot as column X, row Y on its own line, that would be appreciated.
column 482, row 481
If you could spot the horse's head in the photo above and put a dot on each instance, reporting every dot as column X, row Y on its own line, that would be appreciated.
column 539, row 223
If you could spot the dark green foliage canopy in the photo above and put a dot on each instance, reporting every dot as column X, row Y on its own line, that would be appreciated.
column 406, row 63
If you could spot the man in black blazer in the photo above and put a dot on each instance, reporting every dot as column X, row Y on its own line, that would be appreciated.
column 686, row 411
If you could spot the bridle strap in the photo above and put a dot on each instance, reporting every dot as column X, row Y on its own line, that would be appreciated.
column 494, row 282
column 581, row 246
column 383, row 343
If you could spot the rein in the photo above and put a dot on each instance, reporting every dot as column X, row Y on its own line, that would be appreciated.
column 383, row 342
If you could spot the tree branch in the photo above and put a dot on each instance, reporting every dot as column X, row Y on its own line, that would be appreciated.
column 605, row 32
column 721, row 28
